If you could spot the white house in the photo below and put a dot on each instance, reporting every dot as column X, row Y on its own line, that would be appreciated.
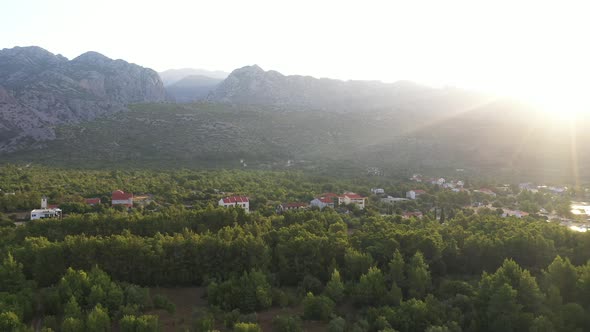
column 514, row 213
column 241, row 201
column 352, row 198
column 413, row 194
column 119, row 197
column 391, row 199
column 486, row 191
column 439, row 181
column 377, row 191
column 45, row 212
column 292, row 206
column 322, row 202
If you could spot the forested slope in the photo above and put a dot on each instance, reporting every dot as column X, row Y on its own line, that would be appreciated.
column 217, row 135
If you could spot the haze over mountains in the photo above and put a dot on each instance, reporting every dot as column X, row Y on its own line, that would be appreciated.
column 78, row 109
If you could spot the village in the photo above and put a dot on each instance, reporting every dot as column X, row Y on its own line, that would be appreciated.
column 435, row 197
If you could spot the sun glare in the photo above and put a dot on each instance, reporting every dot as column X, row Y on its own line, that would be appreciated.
column 561, row 106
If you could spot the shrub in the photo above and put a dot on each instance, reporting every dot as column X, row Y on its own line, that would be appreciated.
column 162, row 302
column 337, row 324
column 287, row 323
column 247, row 327
column 311, row 284
column 317, row 307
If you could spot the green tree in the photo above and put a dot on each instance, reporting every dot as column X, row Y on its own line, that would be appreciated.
column 418, row 280
column 98, row 320
column 563, row 275
column 9, row 321
column 396, row 268
column 144, row 323
column 335, row 287
column 317, row 307
column 287, row 323
column 72, row 309
column 337, row 324
column 247, row 327
column 371, row 288
column 71, row 324
column 503, row 310
column 542, row 324
column 12, row 278
column 356, row 264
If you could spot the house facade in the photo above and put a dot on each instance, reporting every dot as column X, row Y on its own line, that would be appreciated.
column 352, row 198
column 292, row 206
column 413, row 194
column 92, row 201
column 329, row 200
column 486, row 191
column 378, row 191
column 240, row 201
column 322, row 202
column 119, row 197
column 46, row 211
column 391, row 199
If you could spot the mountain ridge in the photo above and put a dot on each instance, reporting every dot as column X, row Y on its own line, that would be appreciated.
column 192, row 88
column 252, row 85
column 39, row 90
column 172, row 76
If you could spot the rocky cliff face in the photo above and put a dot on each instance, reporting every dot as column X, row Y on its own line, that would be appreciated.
column 253, row 85
column 39, row 90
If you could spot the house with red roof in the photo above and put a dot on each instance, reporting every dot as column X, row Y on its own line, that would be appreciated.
column 514, row 213
column 119, row 197
column 92, row 201
column 352, row 198
column 413, row 194
column 241, row 201
column 415, row 214
column 486, row 191
column 323, row 202
column 292, row 206
column 329, row 200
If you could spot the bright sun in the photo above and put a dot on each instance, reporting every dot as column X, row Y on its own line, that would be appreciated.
column 562, row 107
column 561, row 104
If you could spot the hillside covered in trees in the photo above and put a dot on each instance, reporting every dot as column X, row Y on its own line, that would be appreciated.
column 516, row 144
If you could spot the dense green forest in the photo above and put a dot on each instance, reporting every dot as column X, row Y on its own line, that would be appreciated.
column 330, row 270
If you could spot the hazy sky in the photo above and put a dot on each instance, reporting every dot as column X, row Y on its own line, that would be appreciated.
column 527, row 48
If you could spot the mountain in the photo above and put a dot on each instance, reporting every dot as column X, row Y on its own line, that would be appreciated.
column 251, row 85
column 499, row 138
column 39, row 90
column 192, row 88
column 172, row 76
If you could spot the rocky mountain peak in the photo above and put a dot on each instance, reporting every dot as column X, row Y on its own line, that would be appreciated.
column 91, row 56
column 41, row 90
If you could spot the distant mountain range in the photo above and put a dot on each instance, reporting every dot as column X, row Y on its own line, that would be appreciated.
column 251, row 85
column 489, row 141
column 73, row 109
column 192, row 88
column 39, row 90
column 172, row 76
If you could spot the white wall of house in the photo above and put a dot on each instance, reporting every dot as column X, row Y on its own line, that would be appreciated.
column 243, row 205
column 320, row 204
column 45, row 213
column 122, row 201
